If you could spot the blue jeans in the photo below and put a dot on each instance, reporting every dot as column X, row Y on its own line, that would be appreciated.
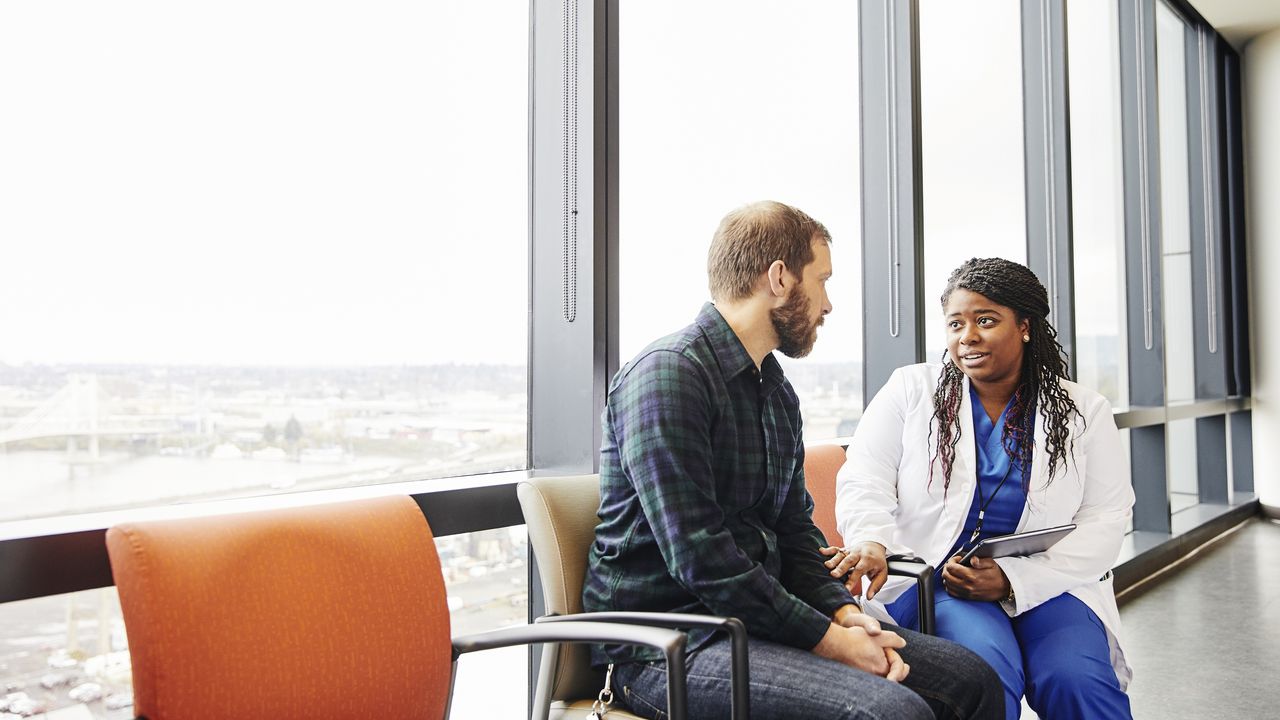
column 946, row 681
column 1056, row 653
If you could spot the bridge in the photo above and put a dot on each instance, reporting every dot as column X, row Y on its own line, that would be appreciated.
column 80, row 410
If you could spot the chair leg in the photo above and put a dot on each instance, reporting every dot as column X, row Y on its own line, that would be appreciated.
column 546, row 681
column 925, row 589
column 677, row 693
column 453, row 675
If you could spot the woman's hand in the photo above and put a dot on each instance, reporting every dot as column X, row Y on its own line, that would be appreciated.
column 982, row 579
column 853, row 563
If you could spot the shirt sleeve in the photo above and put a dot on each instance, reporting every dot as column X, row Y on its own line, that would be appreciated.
column 662, row 416
column 803, row 571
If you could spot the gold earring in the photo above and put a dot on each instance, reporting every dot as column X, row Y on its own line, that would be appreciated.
column 1026, row 338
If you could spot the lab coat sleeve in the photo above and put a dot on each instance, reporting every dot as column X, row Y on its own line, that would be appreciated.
column 1086, row 554
column 867, row 484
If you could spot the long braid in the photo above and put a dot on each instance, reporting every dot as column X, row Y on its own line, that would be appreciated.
column 1043, row 364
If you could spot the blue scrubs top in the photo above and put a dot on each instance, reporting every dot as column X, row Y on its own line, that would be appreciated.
column 1004, row 511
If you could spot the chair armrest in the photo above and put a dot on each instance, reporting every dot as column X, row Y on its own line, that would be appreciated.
column 923, row 573
column 671, row 642
column 739, row 668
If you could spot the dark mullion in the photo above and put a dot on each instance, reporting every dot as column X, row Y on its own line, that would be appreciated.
column 1236, row 273
column 570, row 289
column 892, row 252
column 1207, row 295
column 1141, row 155
column 1046, row 120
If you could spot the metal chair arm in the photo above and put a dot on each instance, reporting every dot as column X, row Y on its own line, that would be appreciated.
column 671, row 642
column 739, row 667
column 923, row 573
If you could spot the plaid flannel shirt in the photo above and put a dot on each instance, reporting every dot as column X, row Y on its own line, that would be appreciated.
column 703, row 504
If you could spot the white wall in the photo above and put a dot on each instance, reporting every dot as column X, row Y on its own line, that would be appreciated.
column 1262, row 168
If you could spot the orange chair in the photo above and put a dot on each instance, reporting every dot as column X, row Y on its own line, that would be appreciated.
column 330, row 611
column 821, row 464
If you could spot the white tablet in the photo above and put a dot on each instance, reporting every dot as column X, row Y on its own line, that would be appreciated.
column 1025, row 543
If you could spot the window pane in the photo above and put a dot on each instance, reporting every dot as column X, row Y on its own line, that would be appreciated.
column 487, row 577
column 1175, row 217
column 227, row 272
column 71, row 651
column 65, row 651
column 972, row 153
column 736, row 102
column 1180, row 439
column 1097, row 198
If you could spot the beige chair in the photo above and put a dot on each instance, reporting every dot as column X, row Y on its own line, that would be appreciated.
column 561, row 516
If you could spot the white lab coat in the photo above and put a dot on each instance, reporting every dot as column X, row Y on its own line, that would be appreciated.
column 884, row 493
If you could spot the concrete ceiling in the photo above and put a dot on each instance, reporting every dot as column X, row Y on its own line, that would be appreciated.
column 1240, row 21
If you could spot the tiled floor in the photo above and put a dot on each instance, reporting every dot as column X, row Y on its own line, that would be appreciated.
column 1204, row 639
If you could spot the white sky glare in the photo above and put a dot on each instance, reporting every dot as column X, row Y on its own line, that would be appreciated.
column 185, row 185
column 334, row 184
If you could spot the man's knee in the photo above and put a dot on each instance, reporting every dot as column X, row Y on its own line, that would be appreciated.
column 898, row 703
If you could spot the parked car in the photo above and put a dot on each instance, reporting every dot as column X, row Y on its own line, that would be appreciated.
column 86, row 692
column 118, row 700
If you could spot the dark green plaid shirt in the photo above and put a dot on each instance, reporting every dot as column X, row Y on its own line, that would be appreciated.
column 703, row 505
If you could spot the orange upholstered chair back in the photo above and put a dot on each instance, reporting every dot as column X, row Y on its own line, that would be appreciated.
column 821, row 463
column 331, row 611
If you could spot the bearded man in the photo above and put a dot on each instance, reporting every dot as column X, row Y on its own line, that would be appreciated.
column 704, row 510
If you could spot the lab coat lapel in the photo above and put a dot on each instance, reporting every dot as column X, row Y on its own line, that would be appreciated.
column 964, row 473
column 1038, row 495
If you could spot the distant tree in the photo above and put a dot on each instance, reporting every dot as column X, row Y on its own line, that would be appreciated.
column 269, row 434
column 293, row 430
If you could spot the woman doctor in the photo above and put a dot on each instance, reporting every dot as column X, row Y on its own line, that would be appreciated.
column 996, row 440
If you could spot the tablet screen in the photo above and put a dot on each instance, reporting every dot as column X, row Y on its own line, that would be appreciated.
column 1018, row 544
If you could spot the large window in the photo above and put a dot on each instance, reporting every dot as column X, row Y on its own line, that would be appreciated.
column 972, row 142
column 250, row 249
column 724, row 103
column 265, row 247
column 1097, row 197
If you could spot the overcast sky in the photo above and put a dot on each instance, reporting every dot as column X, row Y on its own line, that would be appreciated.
column 340, row 183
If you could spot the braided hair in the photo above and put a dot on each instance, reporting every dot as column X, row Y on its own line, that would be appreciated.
column 1043, row 363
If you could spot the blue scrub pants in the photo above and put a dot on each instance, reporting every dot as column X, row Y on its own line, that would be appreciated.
column 1056, row 653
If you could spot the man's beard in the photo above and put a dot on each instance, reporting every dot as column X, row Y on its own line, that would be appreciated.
column 796, row 334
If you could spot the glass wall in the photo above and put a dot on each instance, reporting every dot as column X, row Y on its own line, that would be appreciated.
column 736, row 102
column 1097, row 198
column 304, row 264
column 972, row 142
column 243, row 248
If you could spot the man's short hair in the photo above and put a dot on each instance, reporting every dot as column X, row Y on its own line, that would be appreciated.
column 751, row 238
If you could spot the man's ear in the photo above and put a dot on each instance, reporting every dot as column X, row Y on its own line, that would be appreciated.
column 779, row 279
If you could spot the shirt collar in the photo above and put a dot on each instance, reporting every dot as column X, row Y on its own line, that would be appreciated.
column 730, row 353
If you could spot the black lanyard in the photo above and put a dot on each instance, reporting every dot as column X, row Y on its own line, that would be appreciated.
column 983, row 503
